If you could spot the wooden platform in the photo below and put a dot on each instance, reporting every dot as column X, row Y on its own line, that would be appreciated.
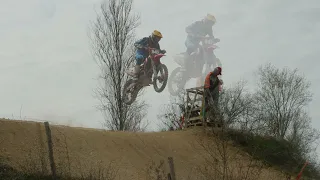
column 198, row 121
column 193, row 105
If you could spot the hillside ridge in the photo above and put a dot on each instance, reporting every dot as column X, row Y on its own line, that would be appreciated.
column 84, row 148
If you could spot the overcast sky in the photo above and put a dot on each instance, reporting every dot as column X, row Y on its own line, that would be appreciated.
column 47, row 68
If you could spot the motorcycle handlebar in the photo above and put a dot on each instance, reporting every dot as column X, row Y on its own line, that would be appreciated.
column 195, row 35
column 150, row 48
column 203, row 37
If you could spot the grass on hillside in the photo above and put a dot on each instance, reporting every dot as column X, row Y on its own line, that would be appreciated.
column 277, row 153
column 270, row 151
column 9, row 173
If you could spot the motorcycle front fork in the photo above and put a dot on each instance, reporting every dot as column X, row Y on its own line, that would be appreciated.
column 155, row 70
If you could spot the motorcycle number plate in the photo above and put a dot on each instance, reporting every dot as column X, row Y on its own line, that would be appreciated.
column 208, row 41
column 155, row 51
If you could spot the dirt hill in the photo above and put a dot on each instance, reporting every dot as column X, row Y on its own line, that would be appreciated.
column 81, row 150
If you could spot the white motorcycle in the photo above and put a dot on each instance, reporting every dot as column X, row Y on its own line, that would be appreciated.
column 193, row 69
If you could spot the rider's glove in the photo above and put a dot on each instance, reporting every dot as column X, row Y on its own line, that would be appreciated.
column 221, row 82
column 163, row 51
column 217, row 39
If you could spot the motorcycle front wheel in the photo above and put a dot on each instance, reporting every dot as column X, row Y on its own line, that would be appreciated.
column 163, row 78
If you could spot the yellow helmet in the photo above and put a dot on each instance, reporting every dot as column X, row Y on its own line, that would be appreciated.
column 211, row 17
column 157, row 33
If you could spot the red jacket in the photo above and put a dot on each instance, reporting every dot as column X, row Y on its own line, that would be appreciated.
column 212, row 76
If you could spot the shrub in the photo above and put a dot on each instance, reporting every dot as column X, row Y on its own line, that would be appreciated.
column 273, row 152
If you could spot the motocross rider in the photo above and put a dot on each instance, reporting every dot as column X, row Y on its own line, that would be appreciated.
column 197, row 30
column 142, row 49
column 211, row 91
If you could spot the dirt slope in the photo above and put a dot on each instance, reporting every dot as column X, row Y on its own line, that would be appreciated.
column 25, row 143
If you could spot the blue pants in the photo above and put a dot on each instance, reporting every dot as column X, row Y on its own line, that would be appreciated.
column 191, row 45
column 140, row 57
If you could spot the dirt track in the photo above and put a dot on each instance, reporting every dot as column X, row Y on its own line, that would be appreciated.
column 25, row 142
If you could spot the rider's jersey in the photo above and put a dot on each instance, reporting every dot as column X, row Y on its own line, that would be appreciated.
column 146, row 42
column 200, row 28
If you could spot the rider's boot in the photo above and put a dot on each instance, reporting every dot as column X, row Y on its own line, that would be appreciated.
column 183, row 67
column 136, row 72
column 186, row 59
column 149, row 81
column 185, row 62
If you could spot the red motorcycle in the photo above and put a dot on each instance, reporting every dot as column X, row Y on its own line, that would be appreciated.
column 151, row 67
column 194, row 66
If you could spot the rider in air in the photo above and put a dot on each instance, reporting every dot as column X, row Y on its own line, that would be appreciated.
column 142, row 49
column 197, row 30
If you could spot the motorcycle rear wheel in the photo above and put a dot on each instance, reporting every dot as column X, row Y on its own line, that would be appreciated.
column 125, row 94
column 180, row 85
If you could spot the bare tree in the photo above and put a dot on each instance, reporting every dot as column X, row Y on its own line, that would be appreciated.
column 281, row 98
column 170, row 114
column 281, row 103
column 223, row 160
column 236, row 107
column 112, row 37
column 302, row 136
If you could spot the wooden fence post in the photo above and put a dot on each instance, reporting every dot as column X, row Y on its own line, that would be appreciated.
column 172, row 175
column 52, row 165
